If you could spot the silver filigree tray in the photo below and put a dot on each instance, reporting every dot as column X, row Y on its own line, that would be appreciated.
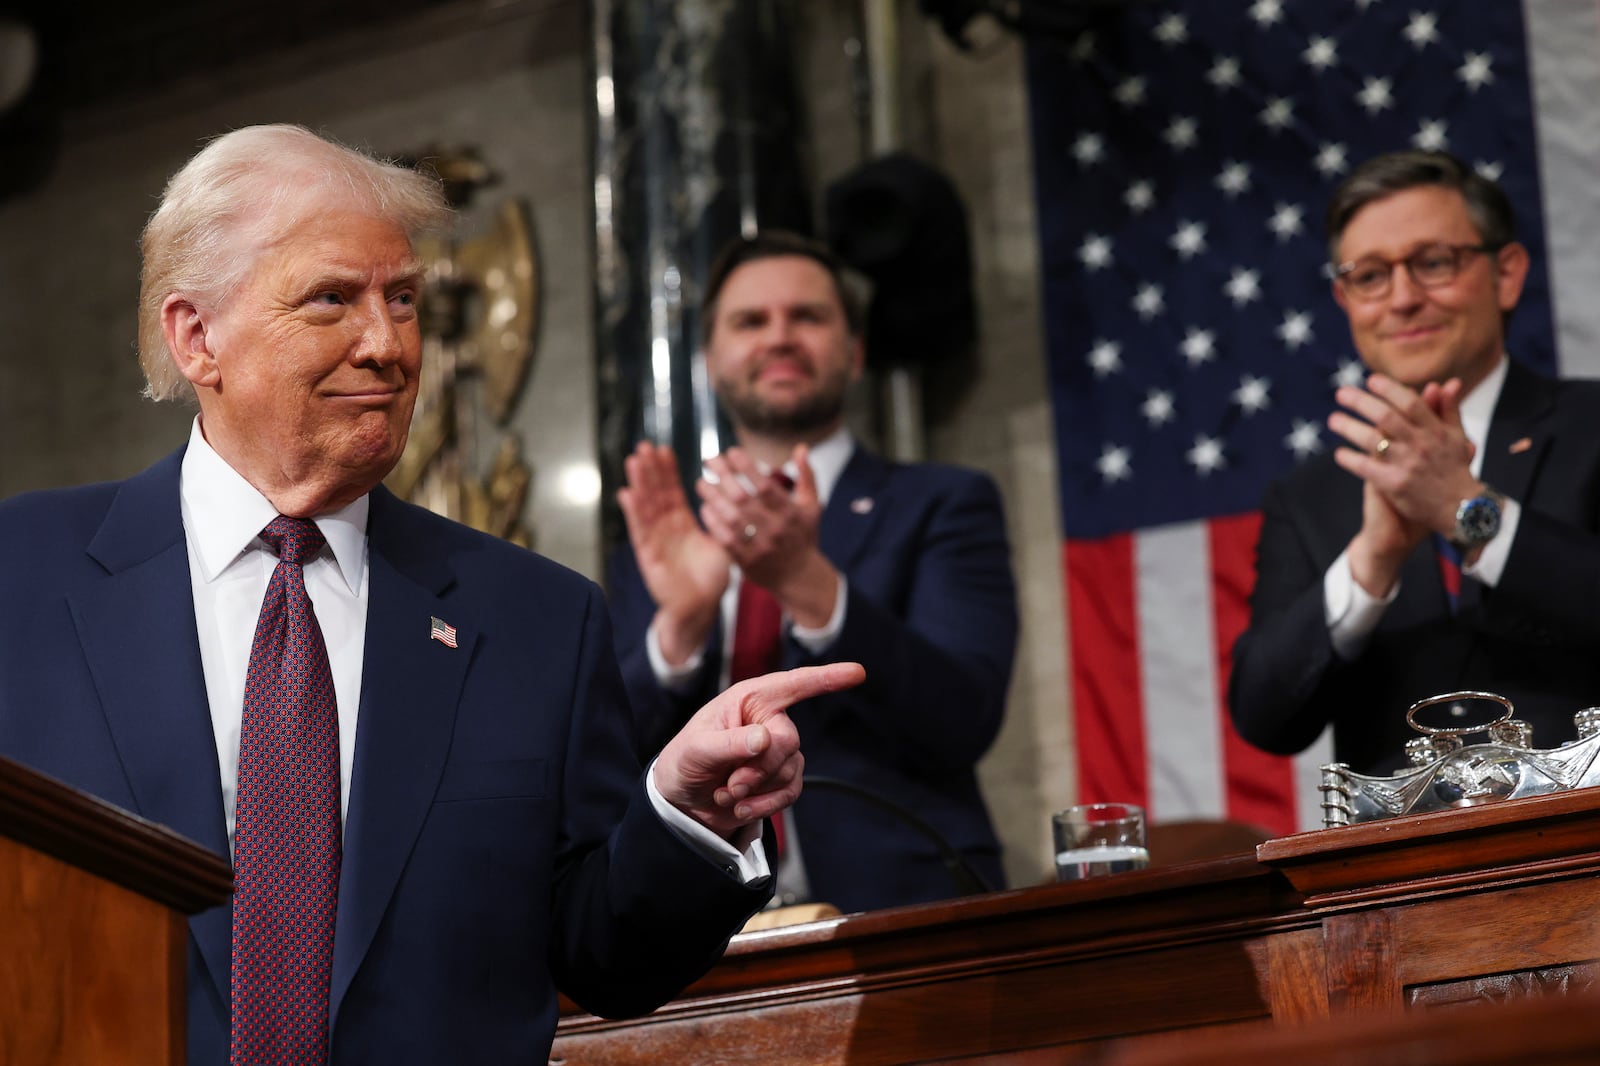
column 1447, row 772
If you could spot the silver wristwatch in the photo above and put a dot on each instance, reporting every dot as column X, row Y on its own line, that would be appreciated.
column 1477, row 519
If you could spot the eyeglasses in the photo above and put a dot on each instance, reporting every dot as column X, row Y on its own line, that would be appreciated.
column 1431, row 266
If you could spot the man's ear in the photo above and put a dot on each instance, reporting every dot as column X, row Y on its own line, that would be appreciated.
column 1511, row 264
column 185, row 329
column 858, row 358
column 1340, row 298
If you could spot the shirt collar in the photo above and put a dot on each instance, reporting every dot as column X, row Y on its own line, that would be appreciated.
column 1477, row 408
column 223, row 514
column 829, row 457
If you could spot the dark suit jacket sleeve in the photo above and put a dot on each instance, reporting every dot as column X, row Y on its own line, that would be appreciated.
column 938, row 661
column 1287, row 682
column 1552, row 574
column 636, row 913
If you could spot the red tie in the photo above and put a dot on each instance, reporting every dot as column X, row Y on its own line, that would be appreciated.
column 1449, row 569
column 286, row 830
column 756, row 628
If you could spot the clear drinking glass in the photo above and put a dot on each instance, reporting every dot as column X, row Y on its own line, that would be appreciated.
column 1097, row 839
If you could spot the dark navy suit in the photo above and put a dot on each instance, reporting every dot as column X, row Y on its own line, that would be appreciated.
column 932, row 616
column 498, row 843
column 1532, row 638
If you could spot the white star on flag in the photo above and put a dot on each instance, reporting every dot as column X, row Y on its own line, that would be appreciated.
column 1474, row 72
column 1285, row 221
column 1430, row 136
column 1139, row 197
column 1088, row 149
column 1351, row 373
column 1158, row 408
column 1234, row 179
column 1321, row 54
column 1206, row 455
column 1199, row 346
column 1243, row 286
column 1182, row 133
column 1224, row 73
column 1490, row 170
column 1130, row 92
column 1148, row 301
column 1114, row 464
column 1172, row 30
column 1330, row 160
column 1266, row 12
column 1423, row 29
column 1251, row 395
column 1377, row 94
column 1105, row 357
column 1295, row 329
column 1095, row 252
column 1304, row 439
column 1278, row 115
column 1189, row 240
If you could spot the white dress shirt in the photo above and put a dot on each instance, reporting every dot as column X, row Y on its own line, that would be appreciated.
column 229, row 568
column 1351, row 612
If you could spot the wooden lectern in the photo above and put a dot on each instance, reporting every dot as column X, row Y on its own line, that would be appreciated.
column 93, row 927
column 1383, row 924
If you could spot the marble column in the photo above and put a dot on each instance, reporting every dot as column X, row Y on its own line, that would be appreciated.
column 697, row 138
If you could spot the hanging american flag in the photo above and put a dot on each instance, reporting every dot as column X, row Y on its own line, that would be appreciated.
column 1184, row 154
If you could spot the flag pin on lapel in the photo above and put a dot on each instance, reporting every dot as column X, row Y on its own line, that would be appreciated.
column 1521, row 445
column 861, row 505
column 442, row 631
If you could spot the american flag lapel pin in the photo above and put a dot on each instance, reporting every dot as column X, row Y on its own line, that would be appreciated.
column 442, row 631
column 1520, row 445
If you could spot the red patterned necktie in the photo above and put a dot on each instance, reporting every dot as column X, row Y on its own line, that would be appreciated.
column 286, row 828
column 1449, row 569
column 757, row 627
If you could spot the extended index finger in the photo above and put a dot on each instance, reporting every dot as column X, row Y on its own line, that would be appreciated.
column 771, row 694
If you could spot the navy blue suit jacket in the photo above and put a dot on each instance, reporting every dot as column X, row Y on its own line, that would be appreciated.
column 1531, row 638
column 932, row 616
column 498, row 843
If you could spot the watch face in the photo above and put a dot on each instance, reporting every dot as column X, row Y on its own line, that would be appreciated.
column 1477, row 521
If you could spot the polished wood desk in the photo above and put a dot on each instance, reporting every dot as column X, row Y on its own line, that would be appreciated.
column 1474, row 906
column 93, row 927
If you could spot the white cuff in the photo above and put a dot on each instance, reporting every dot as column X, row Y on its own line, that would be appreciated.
column 1350, row 611
column 672, row 678
column 817, row 640
column 748, row 865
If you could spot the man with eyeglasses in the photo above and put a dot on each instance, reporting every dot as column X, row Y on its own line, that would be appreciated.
column 1451, row 542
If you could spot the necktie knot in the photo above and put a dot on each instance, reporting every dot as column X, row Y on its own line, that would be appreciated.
column 294, row 540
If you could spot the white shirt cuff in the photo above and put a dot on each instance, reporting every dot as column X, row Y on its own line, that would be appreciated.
column 817, row 640
column 1491, row 562
column 1351, row 612
column 672, row 678
column 748, row 866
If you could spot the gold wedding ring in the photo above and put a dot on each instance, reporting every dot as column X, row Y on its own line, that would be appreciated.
column 1382, row 447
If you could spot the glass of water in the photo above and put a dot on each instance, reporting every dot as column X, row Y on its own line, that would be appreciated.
column 1096, row 839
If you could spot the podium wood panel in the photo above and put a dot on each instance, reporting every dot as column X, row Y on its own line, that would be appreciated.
column 93, row 954
column 1392, row 920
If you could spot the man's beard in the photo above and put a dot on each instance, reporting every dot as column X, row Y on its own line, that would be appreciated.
column 799, row 419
